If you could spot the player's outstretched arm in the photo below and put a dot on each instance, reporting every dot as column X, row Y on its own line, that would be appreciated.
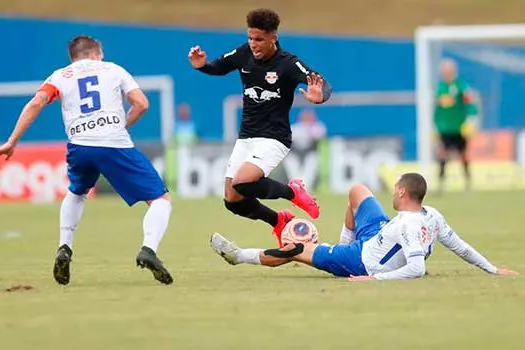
column 451, row 240
column 139, row 105
column 30, row 112
column 318, row 89
column 221, row 66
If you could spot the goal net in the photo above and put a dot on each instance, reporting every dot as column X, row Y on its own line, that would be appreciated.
column 490, row 59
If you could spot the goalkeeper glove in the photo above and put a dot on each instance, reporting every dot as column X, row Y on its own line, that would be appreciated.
column 469, row 127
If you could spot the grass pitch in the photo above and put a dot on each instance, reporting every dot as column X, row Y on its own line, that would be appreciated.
column 111, row 304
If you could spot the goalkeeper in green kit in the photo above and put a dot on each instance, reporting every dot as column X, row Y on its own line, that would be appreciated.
column 455, row 119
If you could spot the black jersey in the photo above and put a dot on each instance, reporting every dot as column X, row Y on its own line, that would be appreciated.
column 269, row 88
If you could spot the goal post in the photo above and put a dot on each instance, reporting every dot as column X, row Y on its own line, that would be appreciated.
column 425, row 38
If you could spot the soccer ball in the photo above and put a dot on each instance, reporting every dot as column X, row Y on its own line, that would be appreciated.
column 300, row 231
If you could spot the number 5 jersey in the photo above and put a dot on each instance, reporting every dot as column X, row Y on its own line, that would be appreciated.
column 91, row 94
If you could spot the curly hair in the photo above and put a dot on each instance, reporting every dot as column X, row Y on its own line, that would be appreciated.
column 263, row 19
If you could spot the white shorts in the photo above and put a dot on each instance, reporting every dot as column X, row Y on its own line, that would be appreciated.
column 263, row 152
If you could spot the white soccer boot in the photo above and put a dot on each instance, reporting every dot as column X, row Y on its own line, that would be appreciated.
column 226, row 249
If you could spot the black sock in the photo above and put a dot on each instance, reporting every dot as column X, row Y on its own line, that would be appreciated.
column 442, row 165
column 264, row 213
column 466, row 169
column 265, row 188
column 251, row 208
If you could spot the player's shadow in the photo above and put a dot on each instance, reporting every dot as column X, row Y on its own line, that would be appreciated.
column 446, row 275
column 305, row 277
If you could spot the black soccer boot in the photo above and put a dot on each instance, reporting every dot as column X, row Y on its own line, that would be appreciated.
column 61, row 268
column 148, row 259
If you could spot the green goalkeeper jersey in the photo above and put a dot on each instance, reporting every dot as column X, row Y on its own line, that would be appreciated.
column 454, row 104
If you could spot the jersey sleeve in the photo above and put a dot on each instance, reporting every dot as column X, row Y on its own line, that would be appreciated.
column 299, row 72
column 410, row 242
column 51, row 87
column 127, row 82
column 226, row 63
column 451, row 240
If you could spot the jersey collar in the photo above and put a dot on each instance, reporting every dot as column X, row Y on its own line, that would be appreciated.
column 277, row 52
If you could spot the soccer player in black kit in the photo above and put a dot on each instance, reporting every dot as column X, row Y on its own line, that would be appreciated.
column 269, row 76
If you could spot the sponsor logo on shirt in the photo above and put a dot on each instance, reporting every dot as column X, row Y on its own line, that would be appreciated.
column 260, row 95
column 94, row 123
column 271, row 77
column 425, row 235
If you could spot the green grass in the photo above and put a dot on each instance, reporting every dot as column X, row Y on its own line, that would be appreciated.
column 111, row 304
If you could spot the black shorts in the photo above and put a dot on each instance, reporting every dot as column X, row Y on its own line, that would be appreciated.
column 454, row 142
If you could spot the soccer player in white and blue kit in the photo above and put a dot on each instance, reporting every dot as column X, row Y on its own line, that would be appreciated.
column 372, row 247
column 91, row 94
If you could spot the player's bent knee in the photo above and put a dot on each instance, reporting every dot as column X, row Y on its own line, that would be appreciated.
column 442, row 155
column 245, row 189
column 230, row 194
column 357, row 194
column 236, row 182
column 233, row 197
column 243, row 208
column 247, row 173
column 76, row 196
column 77, row 191
column 359, row 191
column 166, row 196
column 230, row 205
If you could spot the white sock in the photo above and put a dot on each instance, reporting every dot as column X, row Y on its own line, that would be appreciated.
column 249, row 256
column 156, row 222
column 347, row 235
column 70, row 214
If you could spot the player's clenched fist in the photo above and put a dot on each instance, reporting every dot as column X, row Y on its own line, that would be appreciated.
column 197, row 57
